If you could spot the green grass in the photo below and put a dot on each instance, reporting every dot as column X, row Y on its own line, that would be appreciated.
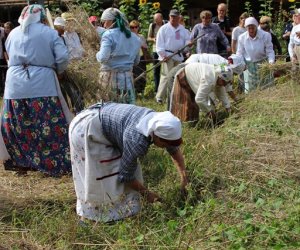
column 244, row 190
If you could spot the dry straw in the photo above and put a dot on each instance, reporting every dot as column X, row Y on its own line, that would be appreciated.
column 84, row 72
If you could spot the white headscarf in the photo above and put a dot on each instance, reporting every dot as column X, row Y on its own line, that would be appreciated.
column 163, row 124
column 31, row 14
column 59, row 21
column 251, row 21
column 238, row 65
column 224, row 72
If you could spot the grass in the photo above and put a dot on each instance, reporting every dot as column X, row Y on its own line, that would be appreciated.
column 244, row 190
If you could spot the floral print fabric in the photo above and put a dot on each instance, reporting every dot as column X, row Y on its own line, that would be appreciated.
column 35, row 132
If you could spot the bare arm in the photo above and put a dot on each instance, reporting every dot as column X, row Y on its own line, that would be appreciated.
column 178, row 160
column 139, row 187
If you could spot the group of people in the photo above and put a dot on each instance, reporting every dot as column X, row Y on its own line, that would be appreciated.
column 101, row 144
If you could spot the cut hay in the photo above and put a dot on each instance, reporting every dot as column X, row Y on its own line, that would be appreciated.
column 84, row 72
column 289, row 70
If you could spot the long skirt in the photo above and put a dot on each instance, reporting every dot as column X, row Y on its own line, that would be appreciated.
column 253, row 79
column 95, row 167
column 35, row 133
column 117, row 86
column 182, row 101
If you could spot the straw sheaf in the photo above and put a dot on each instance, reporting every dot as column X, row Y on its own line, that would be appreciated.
column 84, row 72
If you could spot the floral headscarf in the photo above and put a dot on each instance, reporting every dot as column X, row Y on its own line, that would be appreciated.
column 31, row 14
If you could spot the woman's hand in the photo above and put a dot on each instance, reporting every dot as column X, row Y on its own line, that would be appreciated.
column 152, row 197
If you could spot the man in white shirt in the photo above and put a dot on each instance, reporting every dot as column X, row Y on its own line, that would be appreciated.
column 170, row 38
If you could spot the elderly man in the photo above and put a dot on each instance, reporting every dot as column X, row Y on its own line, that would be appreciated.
column 152, row 34
column 170, row 38
column 106, row 140
column 225, row 25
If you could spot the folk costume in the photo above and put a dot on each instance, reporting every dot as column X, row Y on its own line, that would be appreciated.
column 35, row 116
column 106, row 140
column 118, row 53
column 192, row 87
column 255, row 51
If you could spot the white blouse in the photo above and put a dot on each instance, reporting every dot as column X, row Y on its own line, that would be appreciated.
column 256, row 49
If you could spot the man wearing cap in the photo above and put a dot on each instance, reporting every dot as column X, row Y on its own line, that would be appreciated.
column 118, row 53
column 294, row 44
column 170, row 38
column 255, row 45
column 106, row 141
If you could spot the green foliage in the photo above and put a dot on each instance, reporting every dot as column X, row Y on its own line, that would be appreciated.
column 92, row 7
column 180, row 5
column 146, row 12
column 128, row 8
column 248, row 8
column 266, row 8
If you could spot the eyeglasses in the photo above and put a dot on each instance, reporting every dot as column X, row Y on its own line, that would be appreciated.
column 134, row 27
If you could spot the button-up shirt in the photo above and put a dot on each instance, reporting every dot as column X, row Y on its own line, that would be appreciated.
column 256, row 49
column 170, row 39
column 208, row 42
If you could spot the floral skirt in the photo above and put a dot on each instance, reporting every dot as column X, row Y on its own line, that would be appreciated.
column 35, row 133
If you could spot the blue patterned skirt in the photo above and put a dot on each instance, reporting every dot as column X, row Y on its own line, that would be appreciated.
column 35, row 132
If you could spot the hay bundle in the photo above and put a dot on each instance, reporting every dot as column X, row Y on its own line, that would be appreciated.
column 281, row 68
column 84, row 73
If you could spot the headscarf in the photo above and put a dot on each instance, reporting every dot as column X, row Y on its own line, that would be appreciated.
column 93, row 19
column 113, row 14
column 251, row 21
column 163, row 124
column 31, row 14
column 224, row 72
column 238, row 65
column 59, row 21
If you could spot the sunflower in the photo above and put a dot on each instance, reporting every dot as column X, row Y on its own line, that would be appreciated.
column 142, row 2
column 156, row 5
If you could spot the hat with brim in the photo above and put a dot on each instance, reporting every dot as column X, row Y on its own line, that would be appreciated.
column 67, row 16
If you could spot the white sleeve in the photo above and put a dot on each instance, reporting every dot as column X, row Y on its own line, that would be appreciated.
column 291, row 43
column 202, row 95
column 222, row 96
column 160, row 42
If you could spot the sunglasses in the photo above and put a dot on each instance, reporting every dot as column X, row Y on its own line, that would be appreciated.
column 134, row 27
column 263, row 23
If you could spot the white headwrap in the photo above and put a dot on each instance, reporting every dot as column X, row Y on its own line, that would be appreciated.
column 238, row 65
column 163, row 124
column 31, row 14
column 251, row 21
column 224, row 72
column 110, row 14
column 59, row 21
